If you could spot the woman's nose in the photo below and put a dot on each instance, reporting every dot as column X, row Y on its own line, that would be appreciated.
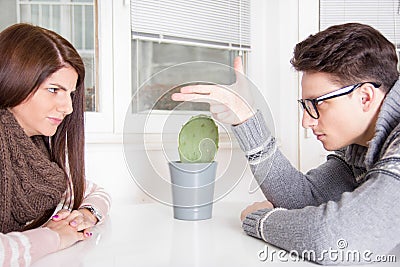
column 65, row 105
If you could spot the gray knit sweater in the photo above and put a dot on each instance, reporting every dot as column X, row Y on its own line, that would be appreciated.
column 349, row 204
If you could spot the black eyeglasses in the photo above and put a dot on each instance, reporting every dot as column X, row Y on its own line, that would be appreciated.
column 310, row 105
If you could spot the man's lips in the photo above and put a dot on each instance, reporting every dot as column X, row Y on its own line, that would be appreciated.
column 319, row 135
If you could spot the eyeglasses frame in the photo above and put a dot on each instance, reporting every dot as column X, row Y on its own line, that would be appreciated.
column 336, row 93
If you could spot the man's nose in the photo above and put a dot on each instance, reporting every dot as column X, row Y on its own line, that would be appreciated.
column 308, row 121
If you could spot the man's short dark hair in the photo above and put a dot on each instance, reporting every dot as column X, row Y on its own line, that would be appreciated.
column 350, row 53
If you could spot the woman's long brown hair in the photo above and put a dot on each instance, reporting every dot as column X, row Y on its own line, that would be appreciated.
column 28, row 55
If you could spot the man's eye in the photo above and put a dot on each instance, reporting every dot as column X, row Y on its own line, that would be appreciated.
column 52, row 90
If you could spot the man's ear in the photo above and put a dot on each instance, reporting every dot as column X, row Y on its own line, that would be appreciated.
column 371, row 97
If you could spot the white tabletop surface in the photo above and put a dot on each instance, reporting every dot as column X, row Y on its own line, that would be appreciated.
column 148, row 235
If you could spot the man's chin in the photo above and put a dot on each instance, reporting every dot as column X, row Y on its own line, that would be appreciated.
column 330, row 147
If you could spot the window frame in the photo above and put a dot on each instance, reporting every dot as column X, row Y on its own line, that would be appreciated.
column 101, row 121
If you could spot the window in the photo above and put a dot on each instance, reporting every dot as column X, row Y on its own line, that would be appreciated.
column 151, row 58
column 167, row 33
column 84, row 23
column 74, row 20
column 383, row 15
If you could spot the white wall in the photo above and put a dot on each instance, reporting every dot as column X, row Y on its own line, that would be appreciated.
column 275, row 31
column 7, row 13
column 274, row 34
column 311, row 151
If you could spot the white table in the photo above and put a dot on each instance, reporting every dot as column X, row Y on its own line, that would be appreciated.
column 148, row 235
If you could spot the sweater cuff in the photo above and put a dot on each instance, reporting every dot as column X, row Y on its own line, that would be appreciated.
column 254, row 223
column 251, row 223
column 253, row 133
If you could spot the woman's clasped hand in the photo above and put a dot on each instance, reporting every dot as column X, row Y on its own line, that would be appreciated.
column 72, row 226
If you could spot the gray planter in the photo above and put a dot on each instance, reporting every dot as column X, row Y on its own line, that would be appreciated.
column 192, row 189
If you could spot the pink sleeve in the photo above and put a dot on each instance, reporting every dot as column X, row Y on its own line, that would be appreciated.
column 24, row 248
column 96, row 196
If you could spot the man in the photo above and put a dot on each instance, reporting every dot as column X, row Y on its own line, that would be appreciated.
column 351, row 102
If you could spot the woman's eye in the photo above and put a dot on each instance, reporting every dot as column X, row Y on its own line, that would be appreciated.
column 52, row 90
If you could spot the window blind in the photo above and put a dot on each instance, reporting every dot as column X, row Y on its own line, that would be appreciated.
column 211, row 23
column 380, row 14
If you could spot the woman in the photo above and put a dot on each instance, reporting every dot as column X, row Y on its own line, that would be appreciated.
column 46, row 203
column 345, row 210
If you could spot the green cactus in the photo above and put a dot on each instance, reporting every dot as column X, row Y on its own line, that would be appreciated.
column 198, row 140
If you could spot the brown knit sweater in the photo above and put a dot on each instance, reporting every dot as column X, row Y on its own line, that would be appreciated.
column 30, row 184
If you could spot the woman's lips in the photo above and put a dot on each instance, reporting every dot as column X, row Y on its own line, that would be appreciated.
column 55, row 121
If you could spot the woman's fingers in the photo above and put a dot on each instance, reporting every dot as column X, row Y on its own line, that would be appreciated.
column 75, row 219
column 61, row 215
column 87, row 232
